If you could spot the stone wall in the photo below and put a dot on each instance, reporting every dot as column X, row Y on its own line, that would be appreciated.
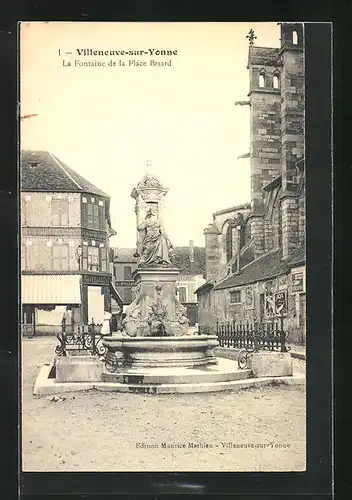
column 294, row 319
column 302, row 216
column 265, row 142
column 265, row 119
column 290, row 230
column 257, row 233
column 272, row 219
column 292, row 115
column 292, row 132
column 212, row 255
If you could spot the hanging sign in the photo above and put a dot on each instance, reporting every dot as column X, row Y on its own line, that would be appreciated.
column 280, row 303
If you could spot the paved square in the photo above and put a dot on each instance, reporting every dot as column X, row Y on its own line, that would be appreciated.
column 252, row 430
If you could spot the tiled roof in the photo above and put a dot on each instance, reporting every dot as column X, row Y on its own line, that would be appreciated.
column 297, row 257
column 205, row 286
column 42, row 171
column 265, row 56
column 268, row 266
column 181, row 259
column 125, row 255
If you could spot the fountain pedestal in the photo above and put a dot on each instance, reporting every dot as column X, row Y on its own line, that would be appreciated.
column 156, row 310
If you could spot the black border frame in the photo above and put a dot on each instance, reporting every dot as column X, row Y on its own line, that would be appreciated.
column 318, row 478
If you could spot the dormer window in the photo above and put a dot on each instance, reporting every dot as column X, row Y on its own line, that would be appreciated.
column 294, row 37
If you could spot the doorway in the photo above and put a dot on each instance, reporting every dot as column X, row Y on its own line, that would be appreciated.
column 28, row 320
column 95, row 304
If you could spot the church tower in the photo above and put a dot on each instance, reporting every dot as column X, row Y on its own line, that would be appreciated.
column 265, row 130
column 292, row 129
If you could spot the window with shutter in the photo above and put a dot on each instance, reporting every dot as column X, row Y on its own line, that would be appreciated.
column 103, row 258
column 64, row 212
column 182, row 294
column 127, row 270
column 85, row 257
column 90, row 221
column 101, row 217
column 55, row 207
column 60, row 254
column 93, row 259
column 95, row 216
column 59, row 212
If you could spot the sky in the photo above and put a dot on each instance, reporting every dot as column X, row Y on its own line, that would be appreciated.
column 107, row 122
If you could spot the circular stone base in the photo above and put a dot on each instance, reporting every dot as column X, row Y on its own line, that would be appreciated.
column 147, row 352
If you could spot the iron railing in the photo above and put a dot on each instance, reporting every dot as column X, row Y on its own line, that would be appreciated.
column 249, row 338
column 253, row 337
column 82, row 338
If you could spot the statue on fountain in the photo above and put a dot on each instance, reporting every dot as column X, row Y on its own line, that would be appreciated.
column 154, row 245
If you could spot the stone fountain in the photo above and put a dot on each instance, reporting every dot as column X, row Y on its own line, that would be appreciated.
column 156, row 328
column 157, row 353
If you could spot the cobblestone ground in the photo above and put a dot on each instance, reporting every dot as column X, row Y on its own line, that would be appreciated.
column 97, row 431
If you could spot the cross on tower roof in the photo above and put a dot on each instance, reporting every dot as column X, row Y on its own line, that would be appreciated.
column 147, row 166
column 251, row 36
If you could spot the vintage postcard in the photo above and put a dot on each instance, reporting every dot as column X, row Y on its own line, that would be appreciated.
column 163, row 263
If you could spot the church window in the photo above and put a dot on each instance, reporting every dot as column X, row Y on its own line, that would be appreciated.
column 229, row 244
column 262, row 79
column 276, row 81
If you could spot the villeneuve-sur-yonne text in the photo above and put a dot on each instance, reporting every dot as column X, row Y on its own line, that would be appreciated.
column 88, row 52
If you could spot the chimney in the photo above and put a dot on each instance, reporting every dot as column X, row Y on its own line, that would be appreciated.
column 191, row 251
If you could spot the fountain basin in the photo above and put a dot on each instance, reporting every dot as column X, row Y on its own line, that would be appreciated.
column 147, row 352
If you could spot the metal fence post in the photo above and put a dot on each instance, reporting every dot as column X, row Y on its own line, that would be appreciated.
column 93, row 336
column 282, row 335
column 256, row 334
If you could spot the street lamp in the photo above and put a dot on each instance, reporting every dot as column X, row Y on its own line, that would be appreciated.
column 79, row 252
column 238, row 246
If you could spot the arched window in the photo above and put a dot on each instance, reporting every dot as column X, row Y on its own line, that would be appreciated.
column 276, row 81
column 294, row 37
column 229, row 252
column 262, row 80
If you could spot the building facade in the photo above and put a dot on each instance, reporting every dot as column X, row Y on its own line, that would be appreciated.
column 191, row 262
column 65, row 259
column 261, row 276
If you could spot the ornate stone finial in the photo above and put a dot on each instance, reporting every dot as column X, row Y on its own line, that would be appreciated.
column 149, row 181
column 251, row 36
